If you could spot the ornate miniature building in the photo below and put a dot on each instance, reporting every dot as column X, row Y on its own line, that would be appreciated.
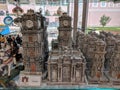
column 114, row 72
column 65, row 64
column 97, row 69
column 34, row 39
column 110, row 41
column 93, row 49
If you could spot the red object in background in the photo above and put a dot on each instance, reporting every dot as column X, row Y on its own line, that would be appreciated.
column 17, row 9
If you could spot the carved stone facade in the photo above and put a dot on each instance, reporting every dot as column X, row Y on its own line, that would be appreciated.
column 97, row 70
column 34, row 44
column 114, row 71
column 111, row 42
column 94, row 50
column 65, row 64
column 102, row 55
column 67, row 67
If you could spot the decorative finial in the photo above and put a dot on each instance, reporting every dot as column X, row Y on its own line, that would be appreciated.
column 30, row 11
column 40, row 10
column 64, row 14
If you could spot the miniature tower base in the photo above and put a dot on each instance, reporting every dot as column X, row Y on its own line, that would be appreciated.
column 102, row 80
column 113, row 80
column 30, row 79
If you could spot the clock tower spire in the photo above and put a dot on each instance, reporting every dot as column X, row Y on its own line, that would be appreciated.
column 65, row 29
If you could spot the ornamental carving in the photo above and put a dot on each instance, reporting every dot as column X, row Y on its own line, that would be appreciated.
column 55, row 67
column 78, row 66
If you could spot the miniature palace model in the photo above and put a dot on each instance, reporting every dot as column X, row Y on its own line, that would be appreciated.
column 66, row 65
column 94, row 59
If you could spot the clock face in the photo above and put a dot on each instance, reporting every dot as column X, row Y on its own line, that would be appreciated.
column 65, row 23
column 29, row 23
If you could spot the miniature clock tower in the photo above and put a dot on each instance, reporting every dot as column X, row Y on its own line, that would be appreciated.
column 65, row 31
column 66, row 65
column 34, row 37
column 32, row 41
